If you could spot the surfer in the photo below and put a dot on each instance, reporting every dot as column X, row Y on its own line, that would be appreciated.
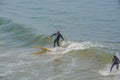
column 58, row 36
column 116, row 62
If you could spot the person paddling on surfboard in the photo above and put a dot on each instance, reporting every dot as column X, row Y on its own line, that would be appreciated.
column 58, row 36
column 116, row 62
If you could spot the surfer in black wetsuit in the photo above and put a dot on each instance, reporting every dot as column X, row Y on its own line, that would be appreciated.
column 58, row 36
column 116, row 62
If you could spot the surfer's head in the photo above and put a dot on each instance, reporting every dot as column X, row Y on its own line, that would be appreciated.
column 58, row 32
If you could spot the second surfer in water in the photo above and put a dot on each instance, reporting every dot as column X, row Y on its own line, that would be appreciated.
column 58, row 36
column 116, row 62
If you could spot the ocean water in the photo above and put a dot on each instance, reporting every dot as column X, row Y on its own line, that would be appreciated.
column 91, row 32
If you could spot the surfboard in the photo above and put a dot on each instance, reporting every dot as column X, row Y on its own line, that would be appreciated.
column 43, row 48
column 42, row 51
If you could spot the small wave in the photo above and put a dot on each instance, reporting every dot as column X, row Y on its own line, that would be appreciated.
column 7, row 73
column 15, row 34
column 68, row 46
column 85, row 50
column 79, row 46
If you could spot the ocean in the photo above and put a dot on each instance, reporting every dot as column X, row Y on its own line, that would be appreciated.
column 90, row 29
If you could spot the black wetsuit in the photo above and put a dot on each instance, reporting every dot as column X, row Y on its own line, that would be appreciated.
column 116, row 62
column 57, row 38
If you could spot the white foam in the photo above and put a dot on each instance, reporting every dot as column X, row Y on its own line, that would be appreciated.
column 68, row 46
column 106, row 71
column 79, row 46
column 57, row 50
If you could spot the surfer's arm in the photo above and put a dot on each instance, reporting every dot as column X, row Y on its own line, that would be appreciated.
column 62, row 37
column 53, row 35
column 118, row 60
